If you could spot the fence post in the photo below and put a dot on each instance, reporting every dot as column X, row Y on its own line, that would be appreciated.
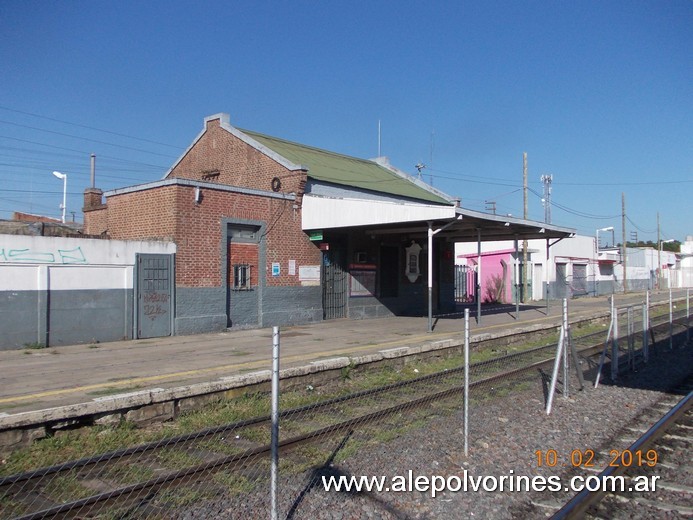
column 566, row 390
column 671, row 321
column 275, row 420
column 554, row 374
column 614, row 342
column 631, row 339
column 645, row 343
column 606, row 346
column 466, row 382
column 688, row 315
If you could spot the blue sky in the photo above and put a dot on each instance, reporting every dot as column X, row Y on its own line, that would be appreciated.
column 598, row 94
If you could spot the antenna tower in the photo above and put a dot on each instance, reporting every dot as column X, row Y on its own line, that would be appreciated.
column 547, row 179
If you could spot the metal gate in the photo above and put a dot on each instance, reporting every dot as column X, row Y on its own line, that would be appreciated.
column 465, row 284
column 334, row 284
column 154, row 295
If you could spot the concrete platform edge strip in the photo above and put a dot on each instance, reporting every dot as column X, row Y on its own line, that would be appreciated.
column 121, row 403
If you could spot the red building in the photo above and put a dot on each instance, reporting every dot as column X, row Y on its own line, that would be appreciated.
column 271, row 232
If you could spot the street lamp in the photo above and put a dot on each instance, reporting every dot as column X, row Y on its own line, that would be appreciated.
column 63, row 206
column 610, row 228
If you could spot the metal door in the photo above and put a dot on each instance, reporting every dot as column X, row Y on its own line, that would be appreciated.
column 154, row 295
column 334, row 284
column 579, row 285
column 561, row 282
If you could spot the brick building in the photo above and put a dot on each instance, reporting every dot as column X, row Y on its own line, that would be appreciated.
column 270, row 232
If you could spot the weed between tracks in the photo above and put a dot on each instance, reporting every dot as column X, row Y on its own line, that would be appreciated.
column 300, row 460
column 76, row 444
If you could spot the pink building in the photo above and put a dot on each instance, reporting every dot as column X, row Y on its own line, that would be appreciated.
column 497, row 275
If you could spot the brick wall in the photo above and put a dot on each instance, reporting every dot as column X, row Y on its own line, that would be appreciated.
column 198, row 227
column 171, row 212
column 96, row 221
column 219, row 156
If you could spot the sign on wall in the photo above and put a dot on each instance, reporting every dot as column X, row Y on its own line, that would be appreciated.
column 309, row 274
column 413, row 271
column 362, row 280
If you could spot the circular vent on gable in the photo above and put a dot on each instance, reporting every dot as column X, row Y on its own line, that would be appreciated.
column 276, row 184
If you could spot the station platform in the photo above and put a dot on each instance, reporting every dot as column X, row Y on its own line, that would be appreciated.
column 40, row 379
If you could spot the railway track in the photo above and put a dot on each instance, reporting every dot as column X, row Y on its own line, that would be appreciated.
column 129, row 478
column 657, row 456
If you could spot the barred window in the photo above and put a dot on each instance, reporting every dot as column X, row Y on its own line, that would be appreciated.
column 241, row 277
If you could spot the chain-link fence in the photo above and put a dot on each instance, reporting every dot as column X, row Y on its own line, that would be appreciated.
column 217, row 462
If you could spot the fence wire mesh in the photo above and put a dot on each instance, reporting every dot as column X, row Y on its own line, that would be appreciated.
column 214, row 462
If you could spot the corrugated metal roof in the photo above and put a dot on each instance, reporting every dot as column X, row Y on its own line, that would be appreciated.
column 335, row 168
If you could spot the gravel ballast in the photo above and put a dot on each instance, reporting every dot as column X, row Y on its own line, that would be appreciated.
column 505, row 433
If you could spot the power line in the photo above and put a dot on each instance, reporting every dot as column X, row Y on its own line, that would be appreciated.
column 90, row 127
column 638, row 227
column 83, row 152
column 644, row 183
column 576, row 212
column 83, row 138
column 465, row 176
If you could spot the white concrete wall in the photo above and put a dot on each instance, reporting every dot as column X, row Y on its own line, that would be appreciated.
column 58, row 263
column 58, row 291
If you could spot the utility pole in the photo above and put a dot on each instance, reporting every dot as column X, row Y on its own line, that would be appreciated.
column 525, row 245
column 490, row 206
column 623, row 226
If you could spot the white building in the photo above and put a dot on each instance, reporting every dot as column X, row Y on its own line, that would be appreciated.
column 572, row 267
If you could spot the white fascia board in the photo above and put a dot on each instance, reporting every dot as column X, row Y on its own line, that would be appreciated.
column 328, row 212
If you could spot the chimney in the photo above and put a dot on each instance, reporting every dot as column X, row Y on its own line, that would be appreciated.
column 93, row 199
column 93, row 196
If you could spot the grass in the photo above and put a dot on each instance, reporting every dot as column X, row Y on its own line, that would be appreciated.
column 11, row 507
column 35, row 345
column 182, row 496
column 128, row 473
column 71, row 445
column 234, row 484
column 65, row 488
column 86, row 442
column 173, row 458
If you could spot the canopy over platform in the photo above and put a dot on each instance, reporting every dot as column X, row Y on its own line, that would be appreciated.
column 473, row 226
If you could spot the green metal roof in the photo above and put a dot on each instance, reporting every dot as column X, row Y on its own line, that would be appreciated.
column 335, row 168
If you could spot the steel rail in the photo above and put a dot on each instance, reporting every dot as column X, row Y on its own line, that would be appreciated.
column 577, row 506
column 254, row 421
column 87, row 461
column 252, row 453
column 133, row 492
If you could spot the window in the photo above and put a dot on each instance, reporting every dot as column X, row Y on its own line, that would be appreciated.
column 241, row 277
column 239, row 233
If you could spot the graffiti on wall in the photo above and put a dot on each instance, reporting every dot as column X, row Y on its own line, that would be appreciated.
column 153, row 301
column 60, row 256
